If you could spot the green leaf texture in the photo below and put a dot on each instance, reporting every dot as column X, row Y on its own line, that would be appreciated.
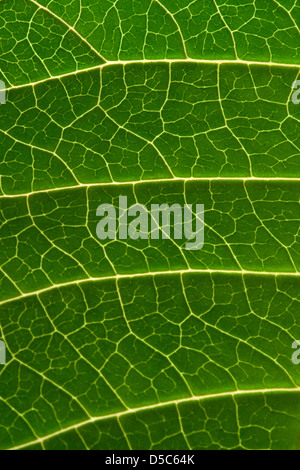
column 142, row 344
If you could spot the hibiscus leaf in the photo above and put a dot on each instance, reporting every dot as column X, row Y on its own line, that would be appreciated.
column 144, row 344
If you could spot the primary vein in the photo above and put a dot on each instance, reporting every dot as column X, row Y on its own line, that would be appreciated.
column 160, row 61
column 155, row 406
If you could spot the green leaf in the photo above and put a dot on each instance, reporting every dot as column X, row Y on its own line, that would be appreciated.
column 142, row 344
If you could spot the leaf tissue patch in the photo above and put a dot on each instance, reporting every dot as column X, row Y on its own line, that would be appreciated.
column 135, row 342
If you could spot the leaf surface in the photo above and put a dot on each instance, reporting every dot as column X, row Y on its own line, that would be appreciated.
column 142, row 344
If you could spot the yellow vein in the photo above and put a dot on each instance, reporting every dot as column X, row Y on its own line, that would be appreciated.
column 158, row 180
column 176, row 403
column 158, row 61
column 71, row 28
column 149, row 274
